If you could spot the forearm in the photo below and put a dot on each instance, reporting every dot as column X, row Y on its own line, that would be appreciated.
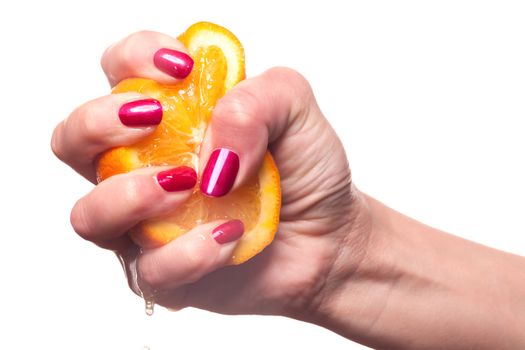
column 417, row 287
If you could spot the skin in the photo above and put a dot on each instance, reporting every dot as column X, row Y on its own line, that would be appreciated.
column 341, row 259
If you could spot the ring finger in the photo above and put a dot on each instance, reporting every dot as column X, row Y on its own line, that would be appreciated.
column 117, row 204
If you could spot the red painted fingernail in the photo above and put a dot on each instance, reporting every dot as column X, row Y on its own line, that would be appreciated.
column 220, row 172
column 141, row 113
column 228, row 232
column 174, row 63
column 177, row 179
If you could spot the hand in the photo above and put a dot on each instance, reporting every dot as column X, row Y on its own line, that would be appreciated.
column 340, row 258
column 321, row 211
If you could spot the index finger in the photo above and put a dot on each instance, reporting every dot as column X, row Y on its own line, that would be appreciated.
column 147, row 54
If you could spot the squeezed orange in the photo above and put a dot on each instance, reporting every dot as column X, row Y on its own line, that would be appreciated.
column 187, row 107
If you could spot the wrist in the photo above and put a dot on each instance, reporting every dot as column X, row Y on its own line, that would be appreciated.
column 397, row 283
column 350, row 261
column 360, row 277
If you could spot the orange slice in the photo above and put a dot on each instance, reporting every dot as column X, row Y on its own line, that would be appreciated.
column 218, row 65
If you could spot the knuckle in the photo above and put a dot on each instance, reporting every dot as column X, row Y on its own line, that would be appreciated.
column 105, row 58
column 126, row 52
column 241, row 109
column 303, row 99
column 186, row 261
column 292, row 78
column 88, row 123
column 139, row 196
column 195, row 255
column 202, row 256
column 141, row 35
column 151, row 271
column 288, row 75
column 79, row 219
column 56, row 141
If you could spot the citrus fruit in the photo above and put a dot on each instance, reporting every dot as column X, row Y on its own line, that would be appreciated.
column 187, row 107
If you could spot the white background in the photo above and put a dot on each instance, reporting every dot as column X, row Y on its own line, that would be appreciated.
column 428, row 97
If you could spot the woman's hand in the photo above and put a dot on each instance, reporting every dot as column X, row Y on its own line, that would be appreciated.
column 340, row 258
column 321, row 212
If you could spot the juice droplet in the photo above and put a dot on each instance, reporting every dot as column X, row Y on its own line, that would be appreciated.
column 150, row 305
column 129, row 263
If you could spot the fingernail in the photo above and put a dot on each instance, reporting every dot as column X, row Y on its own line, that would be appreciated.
column 228, row 232
column 141, row 113
column 174, row 63
column 177, row 179
column 220, row 172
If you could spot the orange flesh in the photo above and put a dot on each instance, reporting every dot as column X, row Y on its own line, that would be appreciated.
column 176, row 141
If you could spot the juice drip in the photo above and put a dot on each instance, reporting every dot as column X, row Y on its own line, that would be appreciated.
column 128, row 260
column 150, row 304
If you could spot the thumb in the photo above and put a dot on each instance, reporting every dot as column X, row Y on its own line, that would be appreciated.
column 253, row 114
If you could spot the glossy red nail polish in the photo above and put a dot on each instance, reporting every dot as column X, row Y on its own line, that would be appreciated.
column 174, row 63
column 177, row 179
column 220, row 172
column 228, row 232
column 141, row 113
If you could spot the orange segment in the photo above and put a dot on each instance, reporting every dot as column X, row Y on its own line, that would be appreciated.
column 218, row 66
column 205, row 34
